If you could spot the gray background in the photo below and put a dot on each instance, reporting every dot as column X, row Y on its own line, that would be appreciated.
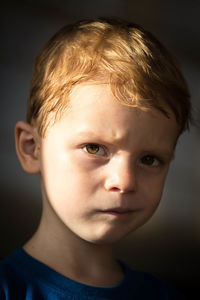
column 169, row 244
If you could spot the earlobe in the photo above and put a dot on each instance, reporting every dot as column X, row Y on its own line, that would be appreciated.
column 27, row 147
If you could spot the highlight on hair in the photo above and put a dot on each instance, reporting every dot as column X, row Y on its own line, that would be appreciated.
column 140, row 71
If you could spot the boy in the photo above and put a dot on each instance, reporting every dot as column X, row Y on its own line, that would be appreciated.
column 106, row 107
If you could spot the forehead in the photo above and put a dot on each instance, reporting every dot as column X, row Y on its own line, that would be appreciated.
column 94, row 112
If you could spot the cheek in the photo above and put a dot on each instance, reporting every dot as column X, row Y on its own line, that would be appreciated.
column 151, row 191
column 65, row 177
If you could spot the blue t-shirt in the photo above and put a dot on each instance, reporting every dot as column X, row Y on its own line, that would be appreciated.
column 24, row 278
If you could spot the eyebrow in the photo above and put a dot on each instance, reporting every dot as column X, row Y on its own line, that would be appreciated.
column 106, row 139
column 82, row 133
column 91, row 134
column 88, row 134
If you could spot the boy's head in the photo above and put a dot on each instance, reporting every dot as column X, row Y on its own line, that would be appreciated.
column 102, row 162
column 140, row 71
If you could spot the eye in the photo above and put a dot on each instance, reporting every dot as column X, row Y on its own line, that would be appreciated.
column 150, row 160
column 94, row 149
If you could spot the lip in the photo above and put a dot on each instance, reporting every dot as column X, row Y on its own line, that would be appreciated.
column 118, row 212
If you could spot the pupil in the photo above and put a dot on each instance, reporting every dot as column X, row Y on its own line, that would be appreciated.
column 93, row 148
column 148, row 160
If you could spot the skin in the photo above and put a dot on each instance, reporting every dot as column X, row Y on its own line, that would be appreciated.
column 103, row 168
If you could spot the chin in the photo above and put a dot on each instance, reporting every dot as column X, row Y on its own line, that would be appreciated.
column 108, row 238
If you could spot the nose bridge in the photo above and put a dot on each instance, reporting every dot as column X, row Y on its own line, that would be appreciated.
column 122, row 174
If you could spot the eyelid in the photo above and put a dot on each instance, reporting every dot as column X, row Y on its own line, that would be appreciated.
column 96, row 144
column 159, row 160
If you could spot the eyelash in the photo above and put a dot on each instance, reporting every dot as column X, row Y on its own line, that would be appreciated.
column 85, row 148
column 154, row 158
column 100, row 147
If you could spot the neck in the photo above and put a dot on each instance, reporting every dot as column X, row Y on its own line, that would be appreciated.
column 60, row 249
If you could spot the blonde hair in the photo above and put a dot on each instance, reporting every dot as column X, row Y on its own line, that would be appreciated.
column 138, row 68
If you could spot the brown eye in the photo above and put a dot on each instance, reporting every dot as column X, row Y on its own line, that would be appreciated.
column 150, row 160
column 94, row 149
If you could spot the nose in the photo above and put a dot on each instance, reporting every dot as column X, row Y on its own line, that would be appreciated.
column 121, row 176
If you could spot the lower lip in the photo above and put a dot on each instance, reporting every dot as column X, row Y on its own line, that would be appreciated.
column 117, row 214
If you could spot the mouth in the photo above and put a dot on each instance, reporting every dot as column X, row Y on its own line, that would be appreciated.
column 118, row 212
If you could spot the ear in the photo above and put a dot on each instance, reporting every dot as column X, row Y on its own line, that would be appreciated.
column 27, row 147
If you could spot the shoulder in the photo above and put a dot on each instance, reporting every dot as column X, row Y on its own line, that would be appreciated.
column 10, row 278
column 147, row 286
column 17, row 280
column 23, row 277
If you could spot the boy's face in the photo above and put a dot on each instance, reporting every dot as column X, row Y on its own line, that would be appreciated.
column 103, row 165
